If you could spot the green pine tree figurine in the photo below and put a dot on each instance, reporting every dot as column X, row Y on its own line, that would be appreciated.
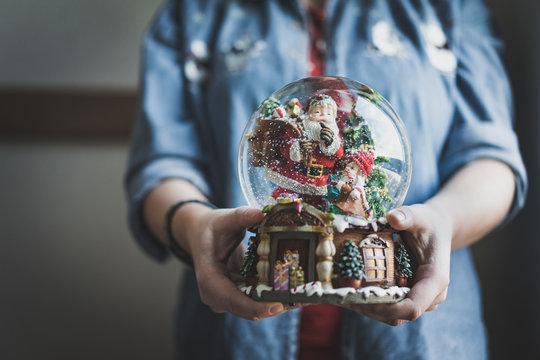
column 268, row 106
column 376, row 191
column 350, row 263
column 403, row 262
column 249, row 266
column 356, row 133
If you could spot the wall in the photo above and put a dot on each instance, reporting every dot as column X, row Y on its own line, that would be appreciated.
column 74, row 285
column 508, row 260
column 87, row 43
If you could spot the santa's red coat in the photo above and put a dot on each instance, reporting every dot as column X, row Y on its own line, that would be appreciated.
column 286, row 174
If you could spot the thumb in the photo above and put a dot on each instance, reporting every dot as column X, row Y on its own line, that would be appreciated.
column 238, row 219
column 401, row 218
column 410, row 218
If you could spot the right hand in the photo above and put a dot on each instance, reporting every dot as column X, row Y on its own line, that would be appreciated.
column 213, row 238
column 327, row 135
column 428, row 231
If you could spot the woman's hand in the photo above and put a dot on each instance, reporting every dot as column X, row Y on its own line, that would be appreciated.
column 428, row 232
column 213, row 238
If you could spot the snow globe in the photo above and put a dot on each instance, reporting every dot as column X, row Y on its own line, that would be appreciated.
column 325, row 158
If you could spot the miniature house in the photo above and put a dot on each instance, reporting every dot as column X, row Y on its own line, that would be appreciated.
column 300, row 228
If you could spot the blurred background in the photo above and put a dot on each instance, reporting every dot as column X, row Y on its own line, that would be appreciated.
column 74, row 284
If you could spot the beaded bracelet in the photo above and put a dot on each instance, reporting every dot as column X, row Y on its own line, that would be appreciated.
column 174, row 246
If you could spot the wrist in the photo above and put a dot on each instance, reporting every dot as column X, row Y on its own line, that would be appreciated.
column 443, row 219
column 183, row 220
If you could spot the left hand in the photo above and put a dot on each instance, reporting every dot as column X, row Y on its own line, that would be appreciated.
column 428, row 232
column 354, row 195
column 213, row 238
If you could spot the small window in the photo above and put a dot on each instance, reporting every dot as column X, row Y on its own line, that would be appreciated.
column 375, row 267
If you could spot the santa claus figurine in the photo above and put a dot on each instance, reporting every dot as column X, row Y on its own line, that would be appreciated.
column 308, row 154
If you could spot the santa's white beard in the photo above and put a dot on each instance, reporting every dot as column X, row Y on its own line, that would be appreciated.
column 313, row 132
column 313, row 128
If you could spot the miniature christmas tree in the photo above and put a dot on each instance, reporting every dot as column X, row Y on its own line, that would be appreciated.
column 249, row 266
column 356, row 134
column 269, row 105
column 403, row 262
column 350, row 263
column 376, row 191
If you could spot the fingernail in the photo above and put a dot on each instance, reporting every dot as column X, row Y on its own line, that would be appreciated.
column 276, row 309
column 400, row 215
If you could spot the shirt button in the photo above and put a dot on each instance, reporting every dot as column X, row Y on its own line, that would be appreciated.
column 199, row 50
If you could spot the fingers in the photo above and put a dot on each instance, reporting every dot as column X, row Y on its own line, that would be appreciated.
column 407, row 217
column 234, row 263
column 221, row 295
column 428, row 235
column 421, row 220
column 438, row 300
column 223, row 232
column 424, row 296
column 222, row 253
column 427, row 293
column 237, row 220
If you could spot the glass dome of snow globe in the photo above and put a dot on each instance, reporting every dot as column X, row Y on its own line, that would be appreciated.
column 331, row 142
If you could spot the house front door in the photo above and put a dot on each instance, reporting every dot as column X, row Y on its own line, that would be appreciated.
column 305, row 246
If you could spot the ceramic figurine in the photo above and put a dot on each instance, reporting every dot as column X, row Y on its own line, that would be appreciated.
column 307, row 154
column 346, row 191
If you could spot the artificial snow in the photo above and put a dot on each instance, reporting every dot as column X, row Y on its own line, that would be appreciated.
column 370, row 294
column 245, row 289
column 315, row 288
column 343, row 222
column 260, row 288
column 309, row 289
column 341, row 291
column 393, row 291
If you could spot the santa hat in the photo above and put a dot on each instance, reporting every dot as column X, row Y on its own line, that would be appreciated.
column 323, row 100
column 343, row 96
column 364, row 160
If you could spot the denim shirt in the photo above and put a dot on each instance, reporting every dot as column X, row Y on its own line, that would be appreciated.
column 207, row 65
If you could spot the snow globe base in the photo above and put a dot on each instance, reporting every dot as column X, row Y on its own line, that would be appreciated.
column 340, row 296
column 300, row 254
